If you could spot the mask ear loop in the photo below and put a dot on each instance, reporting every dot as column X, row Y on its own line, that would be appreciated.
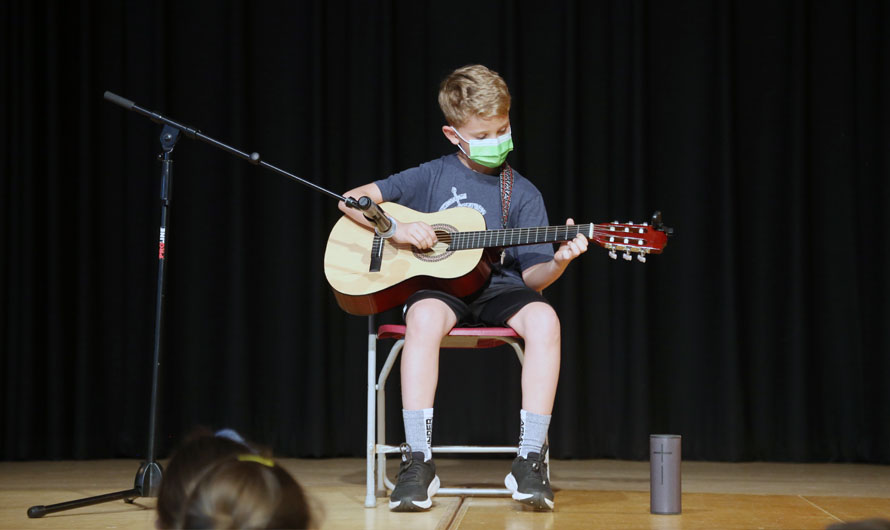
column 453, row 128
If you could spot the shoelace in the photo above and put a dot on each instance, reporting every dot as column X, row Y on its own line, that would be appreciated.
column 538, row 469
column 537, row 465
column 408, row 470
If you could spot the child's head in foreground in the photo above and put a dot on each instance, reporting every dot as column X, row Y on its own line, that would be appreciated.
column 220, row 481
column 246, row 491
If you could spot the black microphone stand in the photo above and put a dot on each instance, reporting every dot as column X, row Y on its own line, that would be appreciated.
column 148, row 477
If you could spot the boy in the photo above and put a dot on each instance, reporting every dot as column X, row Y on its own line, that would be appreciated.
column 476, row 105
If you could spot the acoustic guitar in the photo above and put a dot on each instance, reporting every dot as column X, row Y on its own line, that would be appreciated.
column 369, row 274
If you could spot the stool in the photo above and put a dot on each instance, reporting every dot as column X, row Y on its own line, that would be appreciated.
column 456, row 338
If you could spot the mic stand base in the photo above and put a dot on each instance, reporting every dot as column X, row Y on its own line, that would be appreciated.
column 147, row 484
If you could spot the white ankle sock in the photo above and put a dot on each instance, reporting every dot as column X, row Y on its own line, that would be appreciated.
column 532, row 432
column 419, row 430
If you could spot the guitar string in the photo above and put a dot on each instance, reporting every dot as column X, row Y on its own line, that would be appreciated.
column 602, row 228
column 537, row 233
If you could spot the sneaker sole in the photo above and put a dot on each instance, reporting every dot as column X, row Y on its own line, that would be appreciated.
column 408, row 505
column 535, row 500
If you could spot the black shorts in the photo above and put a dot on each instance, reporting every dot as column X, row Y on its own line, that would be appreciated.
column 492, row 306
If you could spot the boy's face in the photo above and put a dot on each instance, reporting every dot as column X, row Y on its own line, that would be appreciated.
column 477, row 128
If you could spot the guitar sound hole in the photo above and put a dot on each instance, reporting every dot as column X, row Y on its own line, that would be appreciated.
column 440, row 250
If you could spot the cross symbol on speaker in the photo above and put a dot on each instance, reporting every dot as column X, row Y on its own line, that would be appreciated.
column 662, row 452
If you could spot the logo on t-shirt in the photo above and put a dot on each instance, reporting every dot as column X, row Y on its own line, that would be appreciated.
column 456, row 199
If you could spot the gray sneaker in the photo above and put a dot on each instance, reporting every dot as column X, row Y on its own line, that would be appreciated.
column 416, row 484
column 529, row 483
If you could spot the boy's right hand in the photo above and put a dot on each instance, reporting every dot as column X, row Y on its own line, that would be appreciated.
column 419, row 234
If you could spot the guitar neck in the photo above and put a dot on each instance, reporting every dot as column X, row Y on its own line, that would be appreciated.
column 514, row 237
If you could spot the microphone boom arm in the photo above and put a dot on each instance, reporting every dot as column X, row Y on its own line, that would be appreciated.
column 254, row 158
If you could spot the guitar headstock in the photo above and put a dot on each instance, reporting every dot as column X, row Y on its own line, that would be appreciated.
column 631, row 238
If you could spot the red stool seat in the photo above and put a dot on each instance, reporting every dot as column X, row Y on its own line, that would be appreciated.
column 458, row 337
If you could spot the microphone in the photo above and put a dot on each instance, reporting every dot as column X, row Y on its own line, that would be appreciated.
column 123, row 102
column 384, row 224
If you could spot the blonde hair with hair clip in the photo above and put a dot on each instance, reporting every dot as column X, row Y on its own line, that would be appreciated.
column 473, row 90
column 189, row 462
column 247, row 491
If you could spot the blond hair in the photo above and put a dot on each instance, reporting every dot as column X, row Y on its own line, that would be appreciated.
column 473, row 90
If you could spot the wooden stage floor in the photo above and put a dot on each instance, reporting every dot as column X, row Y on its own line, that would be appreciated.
column 589, row 494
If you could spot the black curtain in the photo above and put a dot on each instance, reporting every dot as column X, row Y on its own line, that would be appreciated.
column 759, row 128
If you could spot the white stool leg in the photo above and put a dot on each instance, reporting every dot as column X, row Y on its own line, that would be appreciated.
column 381, row 438
column 381, row 411
column 370, row 497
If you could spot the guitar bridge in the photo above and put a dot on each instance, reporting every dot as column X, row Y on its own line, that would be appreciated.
column 376, row 254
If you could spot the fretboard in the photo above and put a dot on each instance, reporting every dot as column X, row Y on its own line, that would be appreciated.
column 514, row 237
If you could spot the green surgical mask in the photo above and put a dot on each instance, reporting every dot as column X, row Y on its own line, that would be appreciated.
column 490, row 152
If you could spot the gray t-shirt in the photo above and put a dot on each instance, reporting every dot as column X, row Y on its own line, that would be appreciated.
column 446, row 183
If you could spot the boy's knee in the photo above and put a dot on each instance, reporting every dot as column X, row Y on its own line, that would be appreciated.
column 430, row 315
column 548, row 321
column 539, row 320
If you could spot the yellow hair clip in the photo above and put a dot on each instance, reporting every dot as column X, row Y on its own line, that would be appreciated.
column 268, row 462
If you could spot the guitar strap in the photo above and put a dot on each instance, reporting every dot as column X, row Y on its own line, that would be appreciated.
column 506, row 196
column 506, row 192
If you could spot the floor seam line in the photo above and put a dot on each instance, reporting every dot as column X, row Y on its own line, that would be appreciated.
column 454, row 515
column 821, row 508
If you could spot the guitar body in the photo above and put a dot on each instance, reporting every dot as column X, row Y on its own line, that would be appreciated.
column 401, row 269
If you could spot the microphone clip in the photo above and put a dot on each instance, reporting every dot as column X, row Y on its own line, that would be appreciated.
column 384, row 225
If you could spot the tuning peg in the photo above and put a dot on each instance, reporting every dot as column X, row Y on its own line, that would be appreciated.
column 641, row 258
column 613, row 255
column 627, row 256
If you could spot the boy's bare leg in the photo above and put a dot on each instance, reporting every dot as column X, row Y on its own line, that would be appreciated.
column 528, row 480
column 427, row 322
column 538, row 325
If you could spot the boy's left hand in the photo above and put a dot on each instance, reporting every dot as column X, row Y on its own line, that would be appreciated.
column 570, row 250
